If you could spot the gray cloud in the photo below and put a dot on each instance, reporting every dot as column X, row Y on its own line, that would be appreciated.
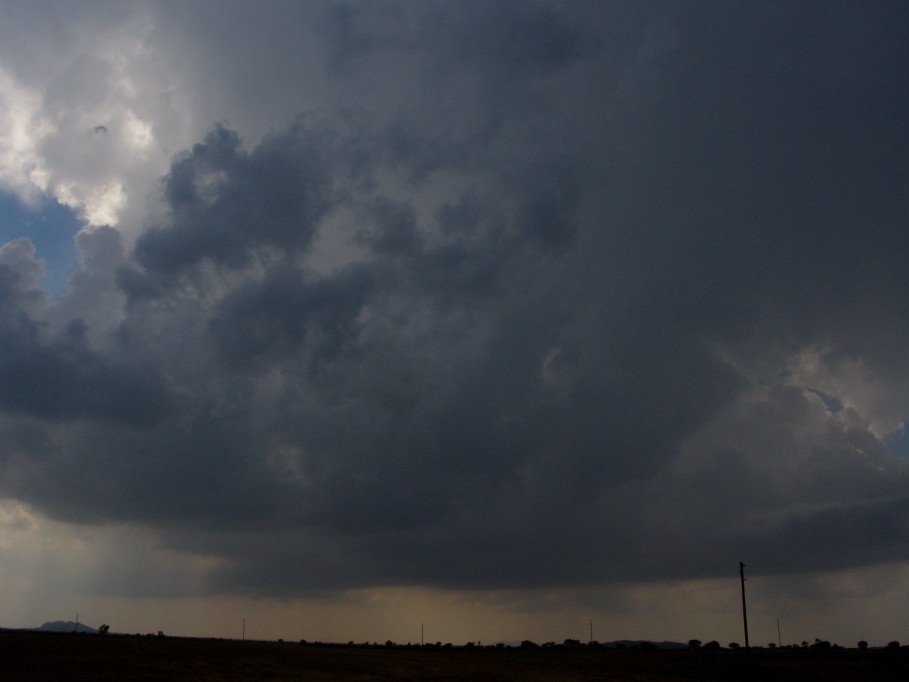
column 57, row 375
column 261, row 318
column 225, row 202
column 543, row 295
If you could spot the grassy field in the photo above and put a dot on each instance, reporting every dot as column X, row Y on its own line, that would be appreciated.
column 45, row 656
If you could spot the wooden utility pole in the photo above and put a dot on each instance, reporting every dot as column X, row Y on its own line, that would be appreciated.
column 744, row 610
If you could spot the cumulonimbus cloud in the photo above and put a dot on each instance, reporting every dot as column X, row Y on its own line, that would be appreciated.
column 535, row 327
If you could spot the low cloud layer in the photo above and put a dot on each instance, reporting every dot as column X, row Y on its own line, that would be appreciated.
column 534, row 296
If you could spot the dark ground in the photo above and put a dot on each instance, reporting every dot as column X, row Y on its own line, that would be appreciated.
column 50, row 656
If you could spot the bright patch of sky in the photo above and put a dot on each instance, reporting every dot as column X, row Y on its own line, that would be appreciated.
column 51, row 227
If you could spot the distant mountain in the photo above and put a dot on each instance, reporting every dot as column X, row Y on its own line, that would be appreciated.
column 66, row 626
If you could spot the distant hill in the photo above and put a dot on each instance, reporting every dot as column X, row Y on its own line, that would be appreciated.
column 66, row 626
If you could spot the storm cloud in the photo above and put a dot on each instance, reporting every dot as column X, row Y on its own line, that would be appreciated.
column 521, row 295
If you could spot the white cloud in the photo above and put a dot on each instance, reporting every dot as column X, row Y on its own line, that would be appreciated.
column 879, row 399
column 23, row 126
column 95, row 125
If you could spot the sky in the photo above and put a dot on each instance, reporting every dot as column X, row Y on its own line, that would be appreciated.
column 503, row 319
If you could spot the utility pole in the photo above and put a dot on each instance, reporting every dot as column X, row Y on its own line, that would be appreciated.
column 744, row 611
column 589, row 641
column 779, row 637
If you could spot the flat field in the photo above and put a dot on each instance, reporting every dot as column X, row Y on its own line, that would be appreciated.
column 47, row 656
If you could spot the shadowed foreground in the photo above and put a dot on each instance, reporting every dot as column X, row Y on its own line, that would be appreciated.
column 43, row 656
